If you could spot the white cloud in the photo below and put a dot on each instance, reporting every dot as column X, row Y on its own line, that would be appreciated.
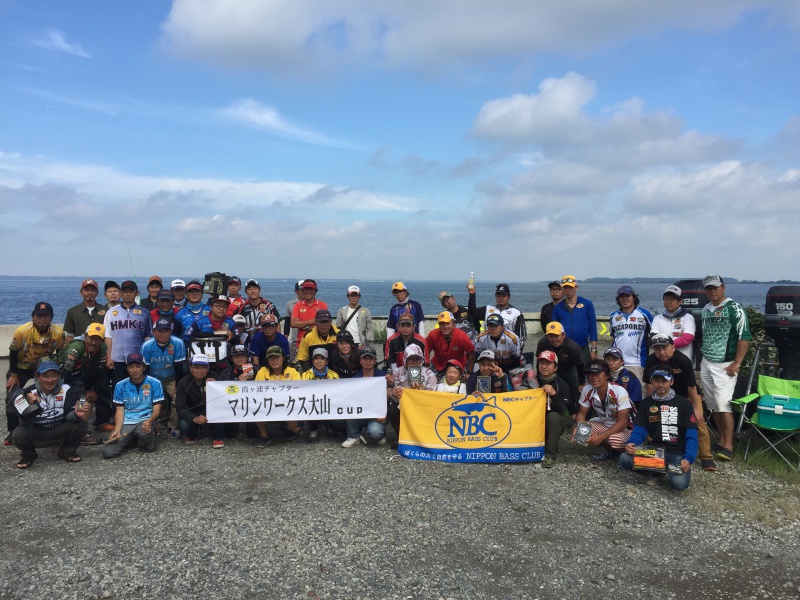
column 54, row 40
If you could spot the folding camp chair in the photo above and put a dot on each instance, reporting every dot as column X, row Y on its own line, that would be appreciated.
column 774, row 432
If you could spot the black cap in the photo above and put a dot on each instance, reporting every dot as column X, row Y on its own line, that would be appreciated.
column 129, row 284
column 111, row 284
column 502, row 288
column 368, row 351
column 598, row 366
column 42, row 308
column 344, row 336
column 554, row 284
column 323, row 315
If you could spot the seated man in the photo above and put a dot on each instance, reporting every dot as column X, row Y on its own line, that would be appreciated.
column 621, row 376
column 398, row 343
column 503, row 343
column 488, row 367
column 412, row 359
column 190, row 402
column 137, row 400
column 557, row 392
column 58, row 420
column 668, row 420
column 570, row 361
column 243, row 370
column 611, row 404
column 376, row 428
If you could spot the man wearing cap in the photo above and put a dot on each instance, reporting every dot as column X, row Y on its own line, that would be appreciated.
column 397, row 344
column 178, row 288
column 127, row 327
column 165, row 359
column 505, row 345
column 112, row 293
column 49, row 414
column 556, row 295
column 668, row 421
column 622, row 376
column 512, row 316
column 266, row 338
column 166, row 309
column 630, row 330
column 190, row 402
column 499, row 382
column 461, row 315
column 376, row 428
column 83, row 368
column 612, row 407
column 242, row 369
column 404, row 306
column 154, row 285
column 322, row 335
column 137, row 400
column 33, row 342
column 216, row 325
column 577, row 315
column 255, row 307
column 80, row 316
column 355, row 318
column 449, row 343
column 726, row 336
column 557, row 392
column 676, row 322
column 570, row 361
column 684, row 384
column 305, row 311
column 412, row 357
column 195, row 308
column 235, row 300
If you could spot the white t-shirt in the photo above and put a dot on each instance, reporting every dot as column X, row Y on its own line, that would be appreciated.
column 616, row 399
column 675, row 327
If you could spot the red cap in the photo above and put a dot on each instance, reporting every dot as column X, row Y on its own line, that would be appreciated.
column 549, row 356
column 90, row 283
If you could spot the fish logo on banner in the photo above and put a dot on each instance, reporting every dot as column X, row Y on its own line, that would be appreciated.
column 473, row 420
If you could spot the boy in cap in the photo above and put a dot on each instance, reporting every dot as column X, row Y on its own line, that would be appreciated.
column 668, row 421
column 80, row 316
column 404, row 306
column 137, row 400
column 676, row 322
column 513, row 320
column 488, row 367
column 319, row 370
column 453, row 381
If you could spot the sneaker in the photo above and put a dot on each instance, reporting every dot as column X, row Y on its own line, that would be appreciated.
column 313, row 434
column 724, row 454
column 190, row 441
column 218, row 444
column 262, row 442
column 350, row 442
column 708, row 464
column 606, row 455
column 7, row 441
column 548, row 462
column 382, row 441
column 175, row 434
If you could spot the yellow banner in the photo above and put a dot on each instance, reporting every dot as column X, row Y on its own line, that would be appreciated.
column 460, row 428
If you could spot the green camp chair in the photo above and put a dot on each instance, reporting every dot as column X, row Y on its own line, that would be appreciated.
column 775, row 437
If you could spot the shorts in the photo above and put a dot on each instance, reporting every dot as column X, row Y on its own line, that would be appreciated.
column 616, row 441
column 718, row 386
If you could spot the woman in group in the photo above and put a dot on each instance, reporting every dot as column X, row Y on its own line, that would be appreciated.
column 278, row 369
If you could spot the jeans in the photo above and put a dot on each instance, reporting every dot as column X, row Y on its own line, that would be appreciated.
column 145, row 440
column 677, row 481
column 375, row 430
column 191, row 430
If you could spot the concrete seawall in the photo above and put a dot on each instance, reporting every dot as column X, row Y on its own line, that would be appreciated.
column 379, row 325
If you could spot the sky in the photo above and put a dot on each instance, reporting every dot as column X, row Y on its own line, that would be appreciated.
column 403, row 139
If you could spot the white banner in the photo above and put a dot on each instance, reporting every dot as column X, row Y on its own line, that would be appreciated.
column 296, row 400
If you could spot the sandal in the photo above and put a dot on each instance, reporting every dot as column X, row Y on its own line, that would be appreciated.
column 24, row 464
column 71, row 458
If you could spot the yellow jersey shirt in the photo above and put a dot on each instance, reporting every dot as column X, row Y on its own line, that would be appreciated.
column 34, row 346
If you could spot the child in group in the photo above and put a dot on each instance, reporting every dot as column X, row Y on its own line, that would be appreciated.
column 319, row 370
column 488, row 367
column 453, row 383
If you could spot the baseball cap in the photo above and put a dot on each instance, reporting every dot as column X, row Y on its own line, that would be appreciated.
column 95, row 329
column 42, row 308
column 713, row 280
column 268, row 319
column 486, row 354
column 405, row 317
column 549, row 356
column 110, row 284
column 353, row 289
column 234, row 279
column 252, row 283
column 194, row 285
column 200, row 359
column 568, row 281
column 298, row 285
column 134, row 357
column 664, row 371
column 217, row 298
column 598, row 366
column 554, row 284
column 615, row 352
column 309, row 283
column 90, row 283
column 344, row 336
column 239, row 349
column 177, row 283
column 368, row 351
column 323, row 315
column 165, row 294
column 443, row 295
column 494, row 319
column 399, row 286
column 274, row 351
column 674, row 290
column 455, row 363
column 413, row 350
column 554, row 328
column 661, row 339
column 625, row 289
column 320, row 352
column 502, row 288
column 445, row 317
column 239, row 320
column 162, row 323
column 155, row 279
column 129, row 284
column 48, row 365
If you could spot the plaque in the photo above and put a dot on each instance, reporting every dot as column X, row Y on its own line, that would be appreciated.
column 414, row 375
column 484, row 384
column 650, row 458
column 583, row 431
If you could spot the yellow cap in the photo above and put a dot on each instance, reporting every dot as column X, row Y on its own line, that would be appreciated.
column 399, row 286
column 554, row 327
column 96, row 329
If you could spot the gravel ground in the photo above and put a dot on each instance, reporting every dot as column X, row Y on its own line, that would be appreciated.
column 313, row 520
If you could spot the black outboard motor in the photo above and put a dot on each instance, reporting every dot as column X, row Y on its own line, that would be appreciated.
column 782, row 324
column 694, row 299
column 216, row 283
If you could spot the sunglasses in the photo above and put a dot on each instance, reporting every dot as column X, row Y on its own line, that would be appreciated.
column 568, row 280
column 354, row 294
column 408, row 323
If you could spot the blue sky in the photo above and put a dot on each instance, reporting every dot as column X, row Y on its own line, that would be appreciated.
column 401, row 139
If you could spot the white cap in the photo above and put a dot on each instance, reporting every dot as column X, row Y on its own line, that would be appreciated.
column 486, row 354
column 353, row 288
column 239, row 319
column 320, row 352
column 413, row 350
column 177, row 283
column 674, row 289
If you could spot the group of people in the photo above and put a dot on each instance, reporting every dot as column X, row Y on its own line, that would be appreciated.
column 141, row 367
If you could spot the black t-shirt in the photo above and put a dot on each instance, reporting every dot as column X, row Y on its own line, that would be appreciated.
column 569, row 355
column 682, row 367
column 666, row 422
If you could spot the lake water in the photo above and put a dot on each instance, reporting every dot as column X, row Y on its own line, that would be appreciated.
column 18, row 295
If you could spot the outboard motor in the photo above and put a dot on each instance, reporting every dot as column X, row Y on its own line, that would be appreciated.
column 694, row 299
column 216, row 283
column 782, row 324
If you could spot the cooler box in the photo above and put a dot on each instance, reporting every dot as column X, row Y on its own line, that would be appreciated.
column 779, row 412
